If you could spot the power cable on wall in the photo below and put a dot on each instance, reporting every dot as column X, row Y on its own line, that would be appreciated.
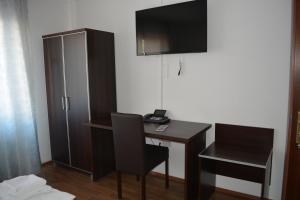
column 161, row 87
column 162, row 82
column 161, row 75
column 161, row 79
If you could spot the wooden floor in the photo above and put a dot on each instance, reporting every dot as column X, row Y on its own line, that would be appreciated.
column 83, row 188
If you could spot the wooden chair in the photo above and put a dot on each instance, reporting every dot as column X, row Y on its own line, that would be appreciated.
column 239, row 152
column 132, row 154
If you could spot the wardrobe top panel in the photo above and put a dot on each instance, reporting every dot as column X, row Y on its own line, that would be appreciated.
column 72, row 32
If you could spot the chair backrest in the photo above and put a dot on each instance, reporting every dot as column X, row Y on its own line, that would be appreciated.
column 249, row 138
column 129, row 142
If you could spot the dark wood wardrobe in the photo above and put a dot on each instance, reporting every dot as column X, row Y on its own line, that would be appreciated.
column 81, row 88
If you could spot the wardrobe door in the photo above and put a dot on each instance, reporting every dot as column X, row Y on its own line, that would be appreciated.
column 55, row 96
column 75, row 54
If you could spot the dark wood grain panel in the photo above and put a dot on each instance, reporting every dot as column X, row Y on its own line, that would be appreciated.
column 103, row 152
column 210, row 167
column 207, row 178
column 252, row 139
column 267, row 179
column 236, row 154
column 100, row 126
column 237, row 170
column 292, row 161
column 192, row 149
column 78, row 100
column 192, row 134
column 55, row 93
column 177, row 131
column 102, row 78
column 71, row 32
column 240, row 152
column 90, row 90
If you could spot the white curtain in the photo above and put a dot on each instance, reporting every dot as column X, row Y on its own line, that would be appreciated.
column 19, row 154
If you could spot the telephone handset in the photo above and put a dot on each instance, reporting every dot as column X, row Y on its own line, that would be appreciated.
column 158, row 117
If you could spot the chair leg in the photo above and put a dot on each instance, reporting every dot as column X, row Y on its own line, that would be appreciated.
column 119, row 183
column 143, row 188
column 167, row 174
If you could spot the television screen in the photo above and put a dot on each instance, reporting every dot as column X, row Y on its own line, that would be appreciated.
column 177, row 28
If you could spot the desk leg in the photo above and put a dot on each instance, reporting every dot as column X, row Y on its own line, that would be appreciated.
column 192, row 150
column 207, row 178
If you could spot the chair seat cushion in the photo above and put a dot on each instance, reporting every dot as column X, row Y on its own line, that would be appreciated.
column 154, row 156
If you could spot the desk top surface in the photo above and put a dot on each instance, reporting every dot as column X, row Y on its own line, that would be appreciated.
column 177, row 131
column 236, row 155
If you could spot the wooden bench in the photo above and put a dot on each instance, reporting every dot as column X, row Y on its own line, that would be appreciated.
column 239, row 152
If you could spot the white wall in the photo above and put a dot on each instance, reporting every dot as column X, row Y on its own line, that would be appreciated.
column 44, row 17
column 242, row 79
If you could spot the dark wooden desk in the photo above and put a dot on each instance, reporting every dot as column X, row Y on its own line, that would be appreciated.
column 191, row 134
column 239, row 152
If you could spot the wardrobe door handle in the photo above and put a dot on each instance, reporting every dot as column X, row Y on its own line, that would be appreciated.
column 63, row 103
column 68, row 103
column 143, row 47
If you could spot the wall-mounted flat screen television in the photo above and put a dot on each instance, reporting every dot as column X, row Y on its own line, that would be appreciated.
column 172, row 29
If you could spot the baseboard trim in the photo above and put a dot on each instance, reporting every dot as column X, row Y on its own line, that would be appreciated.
column 50, row 162
column 172, row 178
column 219, row 190
column 238, row 194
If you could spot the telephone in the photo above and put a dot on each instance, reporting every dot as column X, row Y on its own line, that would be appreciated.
column 158, row 117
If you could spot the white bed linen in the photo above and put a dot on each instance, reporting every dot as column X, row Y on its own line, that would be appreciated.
column 23, row 184
column 30, row 188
